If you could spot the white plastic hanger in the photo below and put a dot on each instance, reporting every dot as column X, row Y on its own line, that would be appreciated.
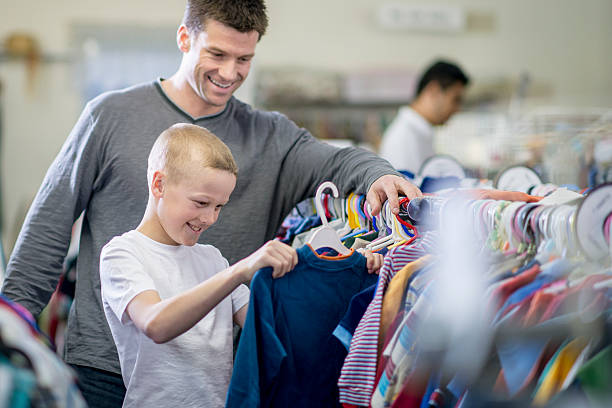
column 383, row 240
column 608, row 282
column 325, row 236
column 390, row 239
column 340, row 205
column 603, row 284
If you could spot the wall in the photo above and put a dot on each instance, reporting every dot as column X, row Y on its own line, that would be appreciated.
column 564, row 45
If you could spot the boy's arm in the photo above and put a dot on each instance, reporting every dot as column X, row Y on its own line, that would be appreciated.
column 240, row 316
column 163, row 320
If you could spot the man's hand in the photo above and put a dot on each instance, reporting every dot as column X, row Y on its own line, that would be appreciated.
column 388, row 188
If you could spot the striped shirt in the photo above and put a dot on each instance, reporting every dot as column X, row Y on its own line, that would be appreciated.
column 402, row 352
column 358, row 376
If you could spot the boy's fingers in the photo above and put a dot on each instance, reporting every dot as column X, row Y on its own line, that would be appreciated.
column 285, row 256
column 375, row 264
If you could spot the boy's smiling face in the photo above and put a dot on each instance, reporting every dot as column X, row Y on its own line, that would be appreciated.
column 188, row 207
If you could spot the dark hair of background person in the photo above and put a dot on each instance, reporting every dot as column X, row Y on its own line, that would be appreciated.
column 444, row 73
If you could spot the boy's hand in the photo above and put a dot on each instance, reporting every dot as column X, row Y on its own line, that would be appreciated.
column 373, row 261
column 281, row 257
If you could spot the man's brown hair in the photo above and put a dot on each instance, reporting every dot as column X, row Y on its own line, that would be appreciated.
column 242, row 15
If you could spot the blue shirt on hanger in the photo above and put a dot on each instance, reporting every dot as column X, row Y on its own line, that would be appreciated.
column 287, row 355
column 357, row 307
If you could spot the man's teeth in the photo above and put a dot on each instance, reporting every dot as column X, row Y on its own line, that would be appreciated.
column 219, row 84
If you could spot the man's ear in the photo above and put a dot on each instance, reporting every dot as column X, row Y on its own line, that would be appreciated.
column 158, row 182
column 433, row 87
column 183, row 39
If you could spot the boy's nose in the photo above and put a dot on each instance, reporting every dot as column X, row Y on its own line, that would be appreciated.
column 207, row 218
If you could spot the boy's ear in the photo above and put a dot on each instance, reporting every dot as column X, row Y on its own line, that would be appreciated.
column 158, row 184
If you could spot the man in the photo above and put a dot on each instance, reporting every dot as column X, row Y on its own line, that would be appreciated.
column 101, row 170
column 408, row 141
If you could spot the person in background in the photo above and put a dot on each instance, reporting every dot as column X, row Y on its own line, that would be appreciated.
column 100, row 172
column 408, row 140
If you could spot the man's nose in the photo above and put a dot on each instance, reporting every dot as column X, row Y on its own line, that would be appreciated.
column 227, row 71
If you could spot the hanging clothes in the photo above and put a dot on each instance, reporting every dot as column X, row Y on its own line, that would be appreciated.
column 357, row 308
column 557, row 369
column 287, row 356
column 357, row 380
column 595, row 378
column 395, row 294
column 32, row 374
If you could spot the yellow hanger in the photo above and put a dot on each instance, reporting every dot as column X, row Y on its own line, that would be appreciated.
column 352, row 216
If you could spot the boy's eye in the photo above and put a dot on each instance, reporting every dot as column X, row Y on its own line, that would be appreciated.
column 201, row 203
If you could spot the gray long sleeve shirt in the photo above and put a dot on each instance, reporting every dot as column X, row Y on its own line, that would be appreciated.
column 101, row 169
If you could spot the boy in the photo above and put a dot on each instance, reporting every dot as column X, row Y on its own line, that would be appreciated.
column 169, row 301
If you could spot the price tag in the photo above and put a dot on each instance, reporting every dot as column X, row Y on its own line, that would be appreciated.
column 441, row 165
column 517, row 178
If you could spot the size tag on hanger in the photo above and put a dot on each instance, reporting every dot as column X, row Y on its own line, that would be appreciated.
column 590, row 220
column 441, row 165
column 517, row 178
column 562, row 196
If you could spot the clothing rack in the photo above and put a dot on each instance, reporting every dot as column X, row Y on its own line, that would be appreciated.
column 577, row 223
column 518, row 231
column 453, row 323
column 32, row 374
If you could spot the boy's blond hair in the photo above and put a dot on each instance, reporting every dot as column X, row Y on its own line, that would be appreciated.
column 183, row 149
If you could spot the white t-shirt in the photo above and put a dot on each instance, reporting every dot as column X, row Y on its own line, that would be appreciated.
column 192, row 370
column 408, row 141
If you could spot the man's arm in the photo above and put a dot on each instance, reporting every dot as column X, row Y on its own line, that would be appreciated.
column 310, row 162
column 37, row 260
